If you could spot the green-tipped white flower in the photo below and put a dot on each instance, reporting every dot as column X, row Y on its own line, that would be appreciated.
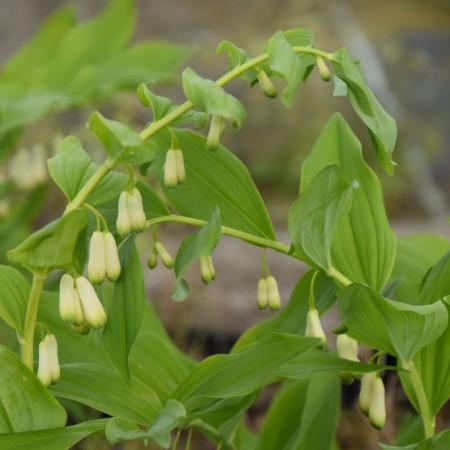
column 136, row 212
column 152, row 261
column 70, row 308
column 347, row 347
column 181, row 173
column 165, row 256
column 48, row 370
column 96, row 267
column 111, row 257
column 94, row 313
column 324, row 71
column 262, row 300
column 170, row 169
column 377, row 409
column 266, row 84
column 365, row 392
column 207, row 270
column 313, row 326
column 273, row 296
column 216, row 130
column 123, row 223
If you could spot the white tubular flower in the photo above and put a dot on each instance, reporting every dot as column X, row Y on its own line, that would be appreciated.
column 44, row 371
column 48, row 370
column 273, row 296
column 69, row 302
column 181, row 173
column 94, row 313
column 207, row 271
column 216, row 130
column 365, row 392
column 377, row 408
column 170, row 169
column 97, row 264
column 123, row 223
column 136, row 212
column 266, row 84
column 347, row 347
column 261, row 296
column 165, row 256
column 313, row 326
column 112, row 261
column 52, row 347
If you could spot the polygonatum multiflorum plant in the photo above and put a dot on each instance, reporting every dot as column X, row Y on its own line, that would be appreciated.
column 98, row 342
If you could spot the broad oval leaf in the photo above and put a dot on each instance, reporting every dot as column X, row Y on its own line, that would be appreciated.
column 25, row 404
column 209, row 97
column 394, row 327
column 382, row 127
column 13, row 297
column 363, row 246
column 194, row 247
column 213, row 180
column 314, row 216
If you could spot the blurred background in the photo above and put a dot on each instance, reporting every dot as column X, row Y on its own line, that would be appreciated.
column 404, row 47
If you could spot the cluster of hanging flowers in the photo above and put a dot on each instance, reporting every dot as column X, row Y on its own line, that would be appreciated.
column 268, row 295
column 131, row 215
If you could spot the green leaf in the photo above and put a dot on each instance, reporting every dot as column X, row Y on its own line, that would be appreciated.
column 382, row 127
column 313, row 217
column 169, row 417
column 215, row 180
column 433, row 361
column 161, row 106
column 13, row 298
column 388, row 325
column 119, row 429
column 340, row 88
column 285, row 62
column 63, row 438
column 292, row 318
column 439, row 442
column 113, row 135
column 363, row 245
column 236, row 57
column 194, row 247
column 416, row 255
column 209, row 97
column 126, row 310
column 25, row 404
column 303, row 416
column 239, row 373
column 53, row 246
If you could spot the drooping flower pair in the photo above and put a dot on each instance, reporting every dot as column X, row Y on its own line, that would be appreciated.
column 268, row 294
column 103, row 257
column 174, row 171
column 131, row 214
column 372, row 399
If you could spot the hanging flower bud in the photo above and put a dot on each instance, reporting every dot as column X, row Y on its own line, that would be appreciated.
column 377, row 408
column 96, row 267
column 111, row 256
column 266, row 84
column 216, row 130
column 152, row 261
column 48, row 370
column 207, row 270
column 273, row 296
column 181, row 173
column 365, row 392
column 136, row 212
column 170, row 169
column 261, row 296
column 93, row 310
column 123, row 224
column 165, row 256
column 313, row 326
column 347, row 347
column 69, row 302
column 324, row 71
